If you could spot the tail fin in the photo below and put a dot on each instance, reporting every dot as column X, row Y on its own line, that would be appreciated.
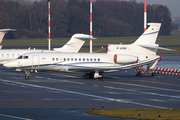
column 75, row 43
column 147, row 40
column 2, row 33
column 150, row 35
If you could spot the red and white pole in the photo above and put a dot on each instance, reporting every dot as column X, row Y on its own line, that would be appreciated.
column 90, row 25
column 145, row 16
column 49, row 30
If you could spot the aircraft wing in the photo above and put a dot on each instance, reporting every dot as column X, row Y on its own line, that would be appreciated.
column 110, row 68
column 93, row 69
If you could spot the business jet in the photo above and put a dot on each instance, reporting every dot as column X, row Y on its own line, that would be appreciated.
column 73, row 46
column 119, row 57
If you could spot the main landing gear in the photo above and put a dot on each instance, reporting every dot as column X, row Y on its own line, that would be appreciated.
column 27, row 73
column 94, row 75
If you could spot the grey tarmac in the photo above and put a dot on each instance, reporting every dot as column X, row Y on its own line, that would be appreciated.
column 54, row 95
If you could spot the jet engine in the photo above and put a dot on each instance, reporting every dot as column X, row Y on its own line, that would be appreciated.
column 125, row 59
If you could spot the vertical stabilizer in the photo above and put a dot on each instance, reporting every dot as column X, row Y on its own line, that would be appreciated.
column 74, row 44
column 2, row 33
column 150, row 35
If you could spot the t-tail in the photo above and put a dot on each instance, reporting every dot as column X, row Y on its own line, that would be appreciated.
column 2, row 33
column 144, row 45
column 75, row 43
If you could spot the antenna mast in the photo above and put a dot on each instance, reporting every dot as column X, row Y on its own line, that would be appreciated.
column 145, row 16
column 49, row 30
column 90, row 25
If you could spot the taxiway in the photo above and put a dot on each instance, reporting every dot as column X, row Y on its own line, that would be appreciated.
column 56, row 92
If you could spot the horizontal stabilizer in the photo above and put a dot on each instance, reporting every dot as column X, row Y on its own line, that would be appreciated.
column 85, row 38
column 7, row 30
column 155, row 46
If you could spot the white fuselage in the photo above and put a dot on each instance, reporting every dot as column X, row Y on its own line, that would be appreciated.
column 73, row 46
column 79, row 62
column 7, row 55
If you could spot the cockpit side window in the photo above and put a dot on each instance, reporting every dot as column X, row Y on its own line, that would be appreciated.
column 20, row 57
column 25, row 57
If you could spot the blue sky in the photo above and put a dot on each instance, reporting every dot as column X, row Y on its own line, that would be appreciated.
column 173, row 5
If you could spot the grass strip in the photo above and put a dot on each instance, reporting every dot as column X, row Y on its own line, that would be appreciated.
column 172, row 40
column 145, row 114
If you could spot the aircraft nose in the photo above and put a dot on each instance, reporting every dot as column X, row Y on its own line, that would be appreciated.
column 9, row 64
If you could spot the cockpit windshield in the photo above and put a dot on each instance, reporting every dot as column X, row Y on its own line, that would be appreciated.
column 23, row 57
column 20, row 57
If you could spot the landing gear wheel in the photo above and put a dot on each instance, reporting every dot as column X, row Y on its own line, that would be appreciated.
column 26, row 77
column 138, row 74
column 91, row 75
column 27, row 73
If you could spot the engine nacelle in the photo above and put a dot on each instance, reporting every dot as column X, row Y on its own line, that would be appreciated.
column 125, row 59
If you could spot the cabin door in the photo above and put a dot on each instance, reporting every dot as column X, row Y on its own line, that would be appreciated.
column 35, row 61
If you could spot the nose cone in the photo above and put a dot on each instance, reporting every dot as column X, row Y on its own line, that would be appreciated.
column 10, row 64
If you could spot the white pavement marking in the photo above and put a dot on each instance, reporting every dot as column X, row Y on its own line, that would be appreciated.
column 116, row 77
column 70, row 76
column 79, row 93
column 143, row 92
column 64, row 81
column 150, row 93
column 160, row 83
column 144, row 86
column 109, row 87
column 10, row 116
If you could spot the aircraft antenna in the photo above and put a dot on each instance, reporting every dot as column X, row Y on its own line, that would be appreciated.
column 90, row 25
column 49, row 30
column 145, row 16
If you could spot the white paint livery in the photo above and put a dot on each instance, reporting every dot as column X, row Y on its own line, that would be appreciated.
column 73, row 45
column 2, row 33
column 119, row 57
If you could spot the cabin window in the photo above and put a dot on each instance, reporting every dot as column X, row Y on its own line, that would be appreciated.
column 25, row 57
column 56, row 59
column 20, row 57
column 94, row 59
column 83, row 59
column 68, row 59
column 71, row 59
column 91, row 59
column 79, row 59
column 64, row 59
column 75, row 59
column 98, row 59
column 2, row 55
column 53, row 59
column 87, row 59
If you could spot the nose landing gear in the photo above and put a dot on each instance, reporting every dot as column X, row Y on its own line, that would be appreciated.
column 27, row 73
